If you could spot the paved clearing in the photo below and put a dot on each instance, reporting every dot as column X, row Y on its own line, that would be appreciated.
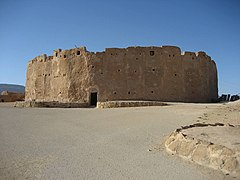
column 121, row 143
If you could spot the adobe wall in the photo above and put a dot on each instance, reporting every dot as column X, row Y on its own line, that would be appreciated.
column 63, row 77
column 6, row 96
column 133, row 73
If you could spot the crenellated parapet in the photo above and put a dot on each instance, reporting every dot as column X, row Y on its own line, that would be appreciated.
column 167, row 51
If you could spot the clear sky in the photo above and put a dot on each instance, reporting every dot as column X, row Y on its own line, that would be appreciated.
column 32, row 27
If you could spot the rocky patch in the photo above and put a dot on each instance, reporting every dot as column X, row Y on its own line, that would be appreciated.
column 213, row 145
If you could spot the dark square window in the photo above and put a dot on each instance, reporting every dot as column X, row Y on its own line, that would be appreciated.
column 151, row 53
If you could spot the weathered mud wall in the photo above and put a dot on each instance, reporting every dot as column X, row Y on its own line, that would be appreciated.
column 63, row 77
column 6, row 96
column 134, row 73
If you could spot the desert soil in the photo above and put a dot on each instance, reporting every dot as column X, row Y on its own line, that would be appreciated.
column 91, row 143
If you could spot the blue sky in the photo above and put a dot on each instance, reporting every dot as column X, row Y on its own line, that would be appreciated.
column 32, row 27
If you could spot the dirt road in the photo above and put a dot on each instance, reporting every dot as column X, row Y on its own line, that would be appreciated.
column 118, row 143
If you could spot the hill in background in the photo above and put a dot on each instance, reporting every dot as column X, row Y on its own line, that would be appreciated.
column 12, row 88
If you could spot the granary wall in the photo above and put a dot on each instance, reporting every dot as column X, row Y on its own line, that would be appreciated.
column 133, row 73
column 63, row 77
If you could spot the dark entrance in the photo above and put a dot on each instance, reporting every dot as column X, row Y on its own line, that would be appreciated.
column 93, row 99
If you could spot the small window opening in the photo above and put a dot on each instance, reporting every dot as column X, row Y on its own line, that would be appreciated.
column 153, row 69
column 111, row 54
column 64, row 74
column 169, row 55
column 192, row 57
column 173, row 55
column 64, row 56
column 78, row 52
column 151, row 53
column 114, row 92
column 152, row 92
column 93, row 99
column 119, row 70
column 135, row 71
column 2, row 100
column 136, row 58
column 60, row 92
column 129, row 92
column 140, row 54
column 175, row 74
column 92, row 66
column 56, row 54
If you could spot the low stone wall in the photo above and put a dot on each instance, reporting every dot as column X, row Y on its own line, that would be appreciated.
column 221, row 153
column 49, row 104
column 109, row 104
column 117, row 104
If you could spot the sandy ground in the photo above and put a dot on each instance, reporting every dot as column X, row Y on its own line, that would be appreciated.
column 119, row 143
column 224, row 113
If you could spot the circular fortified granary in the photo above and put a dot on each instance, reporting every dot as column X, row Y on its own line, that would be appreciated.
column 117, row 74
